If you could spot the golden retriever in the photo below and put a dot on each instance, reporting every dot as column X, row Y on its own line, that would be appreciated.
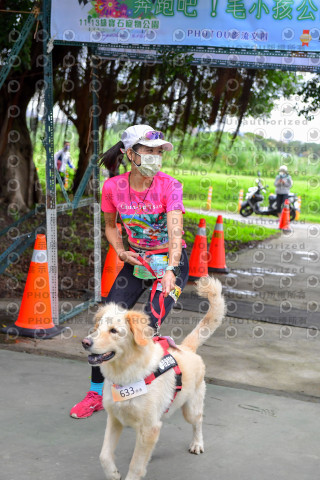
column 122, row 346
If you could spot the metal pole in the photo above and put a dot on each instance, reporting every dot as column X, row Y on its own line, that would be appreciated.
column 96, row 182
column 51, row 210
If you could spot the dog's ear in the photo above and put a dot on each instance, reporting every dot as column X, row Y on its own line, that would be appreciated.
column 139, row 325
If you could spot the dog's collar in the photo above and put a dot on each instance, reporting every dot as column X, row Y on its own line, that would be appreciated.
column 166, row 363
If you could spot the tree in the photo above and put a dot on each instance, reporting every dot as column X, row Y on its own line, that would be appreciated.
column 19, row 184
column 185, row 97
column 310, row 97
column 118, row 84
column 173, row 95
column 72, row 92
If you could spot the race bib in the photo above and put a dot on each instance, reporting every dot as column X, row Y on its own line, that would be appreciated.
column 175, row 294
column 126, row 392
column 158, row 263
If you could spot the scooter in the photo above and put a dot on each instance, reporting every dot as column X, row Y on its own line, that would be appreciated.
column 255, row 197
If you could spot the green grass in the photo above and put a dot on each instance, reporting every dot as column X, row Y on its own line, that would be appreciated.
column 226, row 188
column 232, row 170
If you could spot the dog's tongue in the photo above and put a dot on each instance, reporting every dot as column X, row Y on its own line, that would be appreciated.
column 97, row 359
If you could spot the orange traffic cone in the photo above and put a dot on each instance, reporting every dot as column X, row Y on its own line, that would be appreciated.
column 284, row 223
column 112, row 267
column 217, row 257
column 198, row 263
column 35, row 315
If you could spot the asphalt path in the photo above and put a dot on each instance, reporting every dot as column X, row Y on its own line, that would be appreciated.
column 247, row 435
column 264, row 221
column 281, row 272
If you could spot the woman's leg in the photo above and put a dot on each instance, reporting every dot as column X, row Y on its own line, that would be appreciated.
column 125, row 291
column 279, row 203
column 97, row 380
column 281, row 198
column 168, row 301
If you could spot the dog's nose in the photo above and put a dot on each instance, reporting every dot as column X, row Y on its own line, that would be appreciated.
column 87, row 342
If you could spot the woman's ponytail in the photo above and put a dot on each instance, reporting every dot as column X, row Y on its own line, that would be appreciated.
column 112, row 156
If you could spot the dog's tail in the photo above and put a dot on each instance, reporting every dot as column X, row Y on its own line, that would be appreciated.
column 209, row 288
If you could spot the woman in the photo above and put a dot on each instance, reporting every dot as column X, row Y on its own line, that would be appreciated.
column 283, row 183
column 149, row 203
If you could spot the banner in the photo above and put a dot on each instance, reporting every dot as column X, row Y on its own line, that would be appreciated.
column 291, row 25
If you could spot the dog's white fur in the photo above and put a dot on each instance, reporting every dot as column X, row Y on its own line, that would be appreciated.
column 136, row 356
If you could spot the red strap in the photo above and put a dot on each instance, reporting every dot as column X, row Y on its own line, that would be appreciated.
column 149, row 379
column 165, row 345
column 153, row 292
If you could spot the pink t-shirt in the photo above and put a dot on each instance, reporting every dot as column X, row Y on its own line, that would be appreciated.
column 144, row 214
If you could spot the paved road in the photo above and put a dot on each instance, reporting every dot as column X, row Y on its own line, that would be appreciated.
column 264, row 221
column 248, row 435
column 282, row 271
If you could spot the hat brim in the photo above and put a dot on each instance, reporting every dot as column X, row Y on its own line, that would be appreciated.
column 157, row 143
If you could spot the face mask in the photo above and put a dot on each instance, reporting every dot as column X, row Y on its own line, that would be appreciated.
column 66, row 148
column 150, row 164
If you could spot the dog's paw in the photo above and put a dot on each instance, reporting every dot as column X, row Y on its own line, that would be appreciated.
column 196, row 448
column 114, row 476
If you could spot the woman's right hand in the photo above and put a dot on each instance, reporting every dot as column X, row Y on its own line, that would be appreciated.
column 129, row 257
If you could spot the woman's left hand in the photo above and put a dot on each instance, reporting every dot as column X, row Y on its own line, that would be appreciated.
column 168, row 282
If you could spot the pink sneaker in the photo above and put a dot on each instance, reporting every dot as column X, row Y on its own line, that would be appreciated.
column 92, row 402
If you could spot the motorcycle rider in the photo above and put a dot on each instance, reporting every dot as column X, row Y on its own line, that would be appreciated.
column 283, row 183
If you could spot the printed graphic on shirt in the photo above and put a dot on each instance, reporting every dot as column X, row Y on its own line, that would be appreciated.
column 144, row 214
column 146, row 229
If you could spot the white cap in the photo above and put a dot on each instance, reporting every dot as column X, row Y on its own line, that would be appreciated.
column 136, row 134
column 283, row 168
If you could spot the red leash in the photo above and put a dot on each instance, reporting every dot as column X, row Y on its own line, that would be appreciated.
column 154, row 286
column 153, row 292
column 163, row 341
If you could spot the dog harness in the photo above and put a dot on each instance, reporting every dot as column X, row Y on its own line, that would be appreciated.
column 166, row 363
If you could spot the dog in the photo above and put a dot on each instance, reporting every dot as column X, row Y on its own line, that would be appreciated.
column 123, row 347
